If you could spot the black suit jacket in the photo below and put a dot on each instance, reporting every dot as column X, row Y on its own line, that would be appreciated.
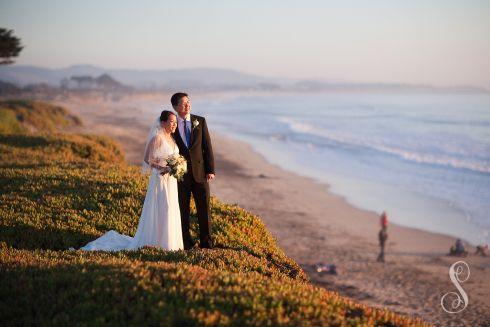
column 199, row 156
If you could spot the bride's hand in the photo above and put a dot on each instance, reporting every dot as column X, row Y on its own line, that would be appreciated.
column 164, row 170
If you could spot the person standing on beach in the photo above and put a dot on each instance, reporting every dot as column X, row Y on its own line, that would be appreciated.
column 192, row 138
column 382, row 236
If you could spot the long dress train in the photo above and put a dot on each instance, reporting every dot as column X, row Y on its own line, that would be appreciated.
column 159, row 223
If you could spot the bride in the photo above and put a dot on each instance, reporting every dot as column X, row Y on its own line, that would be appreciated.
column 159, row 224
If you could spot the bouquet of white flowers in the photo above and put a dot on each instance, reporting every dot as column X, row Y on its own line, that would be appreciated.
column 177, row 165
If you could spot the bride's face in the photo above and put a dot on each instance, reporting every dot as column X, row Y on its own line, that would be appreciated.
column 171, row 124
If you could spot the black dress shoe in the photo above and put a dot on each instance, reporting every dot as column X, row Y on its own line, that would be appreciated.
column 189, row 246
column 206, row 245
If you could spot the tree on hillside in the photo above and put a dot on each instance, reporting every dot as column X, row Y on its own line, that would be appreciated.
column 10, row 46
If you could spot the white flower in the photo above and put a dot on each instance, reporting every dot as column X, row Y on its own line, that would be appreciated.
column 177, row 165
column 195, row 123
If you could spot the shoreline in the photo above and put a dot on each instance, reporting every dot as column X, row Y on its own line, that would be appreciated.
column 254, row 147
column 313, row 225
column 248, row 151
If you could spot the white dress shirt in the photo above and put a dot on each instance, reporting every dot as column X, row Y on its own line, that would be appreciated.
column 181, row 127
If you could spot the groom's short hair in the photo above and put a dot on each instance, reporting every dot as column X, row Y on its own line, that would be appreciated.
column 175, row 99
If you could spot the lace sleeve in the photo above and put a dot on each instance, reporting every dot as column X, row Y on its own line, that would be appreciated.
column 150, row 154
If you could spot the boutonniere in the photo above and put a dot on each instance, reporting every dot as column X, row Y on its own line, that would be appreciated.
column 195, row 123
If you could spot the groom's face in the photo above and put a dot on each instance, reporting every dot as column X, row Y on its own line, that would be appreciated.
column 184, row 107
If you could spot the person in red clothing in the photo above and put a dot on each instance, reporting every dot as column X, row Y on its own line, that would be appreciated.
column 384, row 219
column 383, row 236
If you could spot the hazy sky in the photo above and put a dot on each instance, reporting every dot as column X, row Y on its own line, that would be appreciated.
column 442, row 42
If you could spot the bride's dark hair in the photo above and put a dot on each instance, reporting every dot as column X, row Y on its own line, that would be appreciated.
column 165, row 114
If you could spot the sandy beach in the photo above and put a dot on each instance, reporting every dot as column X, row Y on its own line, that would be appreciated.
column 313, row 225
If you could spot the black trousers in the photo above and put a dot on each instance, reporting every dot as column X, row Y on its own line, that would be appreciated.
column 200, row 192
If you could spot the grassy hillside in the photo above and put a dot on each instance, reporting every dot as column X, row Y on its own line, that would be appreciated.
column 34, row 116
column 60, row 191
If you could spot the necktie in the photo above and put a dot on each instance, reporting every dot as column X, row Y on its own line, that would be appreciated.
column 187, row 134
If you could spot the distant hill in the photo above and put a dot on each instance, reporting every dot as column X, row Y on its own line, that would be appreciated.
column 205, row 79
column 196, row 78
column 85, row 82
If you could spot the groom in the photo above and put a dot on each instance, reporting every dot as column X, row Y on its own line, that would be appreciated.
column 192, row 138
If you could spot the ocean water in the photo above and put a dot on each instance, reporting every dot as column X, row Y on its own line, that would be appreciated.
column 424, row 158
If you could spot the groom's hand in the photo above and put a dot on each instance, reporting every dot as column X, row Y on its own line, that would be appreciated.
column 209, row 177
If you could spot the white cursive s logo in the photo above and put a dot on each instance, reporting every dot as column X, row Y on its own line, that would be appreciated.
column 459, row 300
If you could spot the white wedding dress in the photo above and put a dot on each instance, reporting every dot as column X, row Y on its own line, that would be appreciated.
column 159, row 224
